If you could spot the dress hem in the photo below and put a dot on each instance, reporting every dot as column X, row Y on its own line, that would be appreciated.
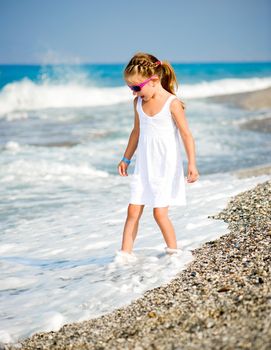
column 160, row 205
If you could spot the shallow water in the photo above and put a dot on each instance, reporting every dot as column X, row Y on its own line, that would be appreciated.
column 63, row 247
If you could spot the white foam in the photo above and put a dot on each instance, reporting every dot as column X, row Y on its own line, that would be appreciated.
column 5, row 337
column 12, row 146
column 97, row 245
column 53, row 321
column 83, row 278
column 26, row 95
column 191, row 226
column 15, row 283
column 46, row 170
column 223, row 87
column 124, row 258
column 6, row 247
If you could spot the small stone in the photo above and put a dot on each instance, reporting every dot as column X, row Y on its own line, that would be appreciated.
column 224, row 289
column 260, row 280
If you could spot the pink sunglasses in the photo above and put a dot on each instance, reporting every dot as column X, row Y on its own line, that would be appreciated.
column 138, row 87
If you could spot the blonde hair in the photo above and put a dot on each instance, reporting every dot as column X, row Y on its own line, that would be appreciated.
column 146, row 65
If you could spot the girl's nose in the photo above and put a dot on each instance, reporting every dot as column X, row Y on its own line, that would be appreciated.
column 134, row 93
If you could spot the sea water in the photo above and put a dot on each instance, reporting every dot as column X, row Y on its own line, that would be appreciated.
column 63, row 130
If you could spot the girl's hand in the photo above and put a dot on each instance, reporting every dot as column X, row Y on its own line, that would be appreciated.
column 192, row 173
column 122, row 167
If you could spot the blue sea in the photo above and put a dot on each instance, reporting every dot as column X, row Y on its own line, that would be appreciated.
column 63, row 130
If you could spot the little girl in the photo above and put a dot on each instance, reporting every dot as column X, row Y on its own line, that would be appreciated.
column 159, row 118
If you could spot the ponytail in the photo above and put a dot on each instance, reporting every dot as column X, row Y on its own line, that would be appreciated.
column 147, row 65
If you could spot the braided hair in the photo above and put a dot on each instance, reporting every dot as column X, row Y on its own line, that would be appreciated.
column 146, row 65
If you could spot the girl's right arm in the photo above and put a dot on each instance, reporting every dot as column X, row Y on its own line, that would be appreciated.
column 188, row 140
column 132, row 143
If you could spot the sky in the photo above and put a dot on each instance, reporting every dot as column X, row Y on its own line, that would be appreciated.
column 111, row 31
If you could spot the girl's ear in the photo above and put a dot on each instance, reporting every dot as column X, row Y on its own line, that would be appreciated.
column 155, row 81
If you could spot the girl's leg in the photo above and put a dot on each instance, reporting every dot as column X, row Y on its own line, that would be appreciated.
column 134, row 213
column 166, row 227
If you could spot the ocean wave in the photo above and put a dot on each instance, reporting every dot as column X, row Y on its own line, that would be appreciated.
column 45, row 170
column 224, row 87
column 26, row 95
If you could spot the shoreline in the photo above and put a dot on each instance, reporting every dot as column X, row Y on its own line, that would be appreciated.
column 253, row 171
column 251, row 101
column 254, row 101
column 221, row 300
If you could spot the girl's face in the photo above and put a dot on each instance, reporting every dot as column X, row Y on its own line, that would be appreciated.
column 147, row 90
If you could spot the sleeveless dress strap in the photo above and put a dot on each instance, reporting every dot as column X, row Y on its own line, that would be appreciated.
column 169, row 100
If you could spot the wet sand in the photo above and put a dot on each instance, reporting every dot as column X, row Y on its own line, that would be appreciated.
column 262, row 124
column 253, row 171
column 251, row 101
column 254, row 100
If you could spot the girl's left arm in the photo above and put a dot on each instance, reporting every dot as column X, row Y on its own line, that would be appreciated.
column 178, row 115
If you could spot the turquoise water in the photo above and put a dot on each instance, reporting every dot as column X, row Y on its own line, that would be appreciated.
column 110, row 75
column 42, row 106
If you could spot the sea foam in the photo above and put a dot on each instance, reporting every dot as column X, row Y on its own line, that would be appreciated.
column 97, row 282
column 26, row 95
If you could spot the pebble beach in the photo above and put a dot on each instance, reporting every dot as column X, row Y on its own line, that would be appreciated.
column 222, row 300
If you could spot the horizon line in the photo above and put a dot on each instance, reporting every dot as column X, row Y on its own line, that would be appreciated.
column 123, row 63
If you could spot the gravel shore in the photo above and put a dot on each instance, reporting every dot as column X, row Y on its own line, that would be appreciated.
column 253, row 100
column 256, row 101
column 221, row 301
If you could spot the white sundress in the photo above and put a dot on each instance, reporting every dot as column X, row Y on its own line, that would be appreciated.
column 158, row 178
